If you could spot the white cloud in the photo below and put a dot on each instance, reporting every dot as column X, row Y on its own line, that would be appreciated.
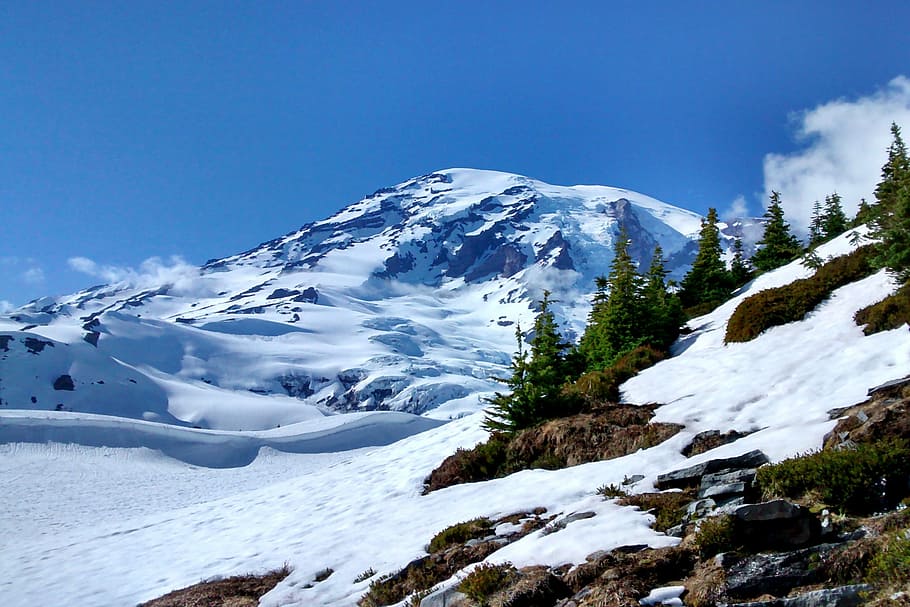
column 33, row 275
column 737, row 209
column 845, row 146
column 182, row 278
column 6, row 306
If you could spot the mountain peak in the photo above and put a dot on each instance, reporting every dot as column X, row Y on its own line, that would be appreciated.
column 405, row 299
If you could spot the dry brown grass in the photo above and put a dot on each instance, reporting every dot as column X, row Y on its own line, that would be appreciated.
column 236, row 591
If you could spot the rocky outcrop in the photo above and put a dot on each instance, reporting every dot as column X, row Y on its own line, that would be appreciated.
column 692, row 476
column 886, row 414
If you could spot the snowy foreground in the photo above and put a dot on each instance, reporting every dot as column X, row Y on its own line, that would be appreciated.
column 98, row 526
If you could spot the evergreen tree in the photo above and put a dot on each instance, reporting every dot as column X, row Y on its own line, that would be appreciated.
column 778, row 244
column 816, row 229
column 740, row 270
column 615, row 322
column 864, row 214
column 707, row 281
column 891, row 214
column 834, row 220
column 536, row 380
column 662, row 310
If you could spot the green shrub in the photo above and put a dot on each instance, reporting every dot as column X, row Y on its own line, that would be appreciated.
column 792, row 302
column 890, row 568
column 460, row 533
column 867, row 479
column 485, row 580
column 714, row 535
column 365, row 575
column 890, row 313
column 480, row 463
column 604, row 385
column 668, row 507
column 611, row 491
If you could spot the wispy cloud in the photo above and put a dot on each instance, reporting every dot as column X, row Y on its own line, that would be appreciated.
column 33, row 275
column 180, row 276
column 845, row 145
column 737, row 209
column 6, row 306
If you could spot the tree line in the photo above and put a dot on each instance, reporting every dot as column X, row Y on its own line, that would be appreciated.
column 633, row 310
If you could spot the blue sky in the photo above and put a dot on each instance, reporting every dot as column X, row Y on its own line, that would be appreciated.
column 137, row 130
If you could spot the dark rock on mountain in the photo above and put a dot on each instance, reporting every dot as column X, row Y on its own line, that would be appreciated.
column 691, row 477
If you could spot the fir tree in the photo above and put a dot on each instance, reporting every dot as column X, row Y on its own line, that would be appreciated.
column 707, row 281
column 816, row 229
column 778, row 244
column 536, row 379
column 891, row 214
column 615, row 322
column 834, row 220
column 662, row 310
column 740, row 270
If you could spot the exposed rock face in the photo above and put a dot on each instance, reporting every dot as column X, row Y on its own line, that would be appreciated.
column 775, row 573
column 777, row 524
column 841, row 596
column 691, row 477
column 886, row 414
column 64, row 382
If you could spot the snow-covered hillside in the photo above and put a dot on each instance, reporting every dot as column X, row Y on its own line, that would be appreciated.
column 99, row 526
column 405, row 300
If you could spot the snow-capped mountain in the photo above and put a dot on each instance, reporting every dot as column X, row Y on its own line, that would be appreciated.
column 405, row 300
column 105, row 525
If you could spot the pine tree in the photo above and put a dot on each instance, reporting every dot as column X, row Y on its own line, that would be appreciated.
column 615, row 322
column 864, row 214
column 740, row 270
column 662, row 310
column 778, row 244
column 536, row 380
column 834, row 220
column 891, row 213
column 707, row 281
column 816, row 230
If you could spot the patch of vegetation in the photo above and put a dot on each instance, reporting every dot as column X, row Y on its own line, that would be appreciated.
column 792, row 302
column 603, row 385
column 611, row 491
column 239, row 590
column 485, row 580
column 365, row 575
column 890, row 568
column 460, row 533
column 323, row 575
column 668, row 507
column 480, row 463
column 890, row 313
column 863, row 480
column 714, row 535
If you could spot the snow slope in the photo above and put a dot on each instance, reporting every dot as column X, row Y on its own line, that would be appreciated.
column 138, row 537
column 406, row 300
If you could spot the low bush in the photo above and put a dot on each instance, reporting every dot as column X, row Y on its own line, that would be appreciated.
column 485, row 580
column 598, row 386
column 793, row 301
column 480, row 463
column 460, row 533
column 890, row 313
column 611, row 491
column 714, row 535
column 668, row 508
column 890, row 568
column 863, row 480
column 365, row 575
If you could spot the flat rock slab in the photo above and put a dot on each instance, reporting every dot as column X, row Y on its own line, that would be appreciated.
column 842, row 596
column 691, row 477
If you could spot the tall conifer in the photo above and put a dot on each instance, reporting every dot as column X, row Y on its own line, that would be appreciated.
column 778, row 244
